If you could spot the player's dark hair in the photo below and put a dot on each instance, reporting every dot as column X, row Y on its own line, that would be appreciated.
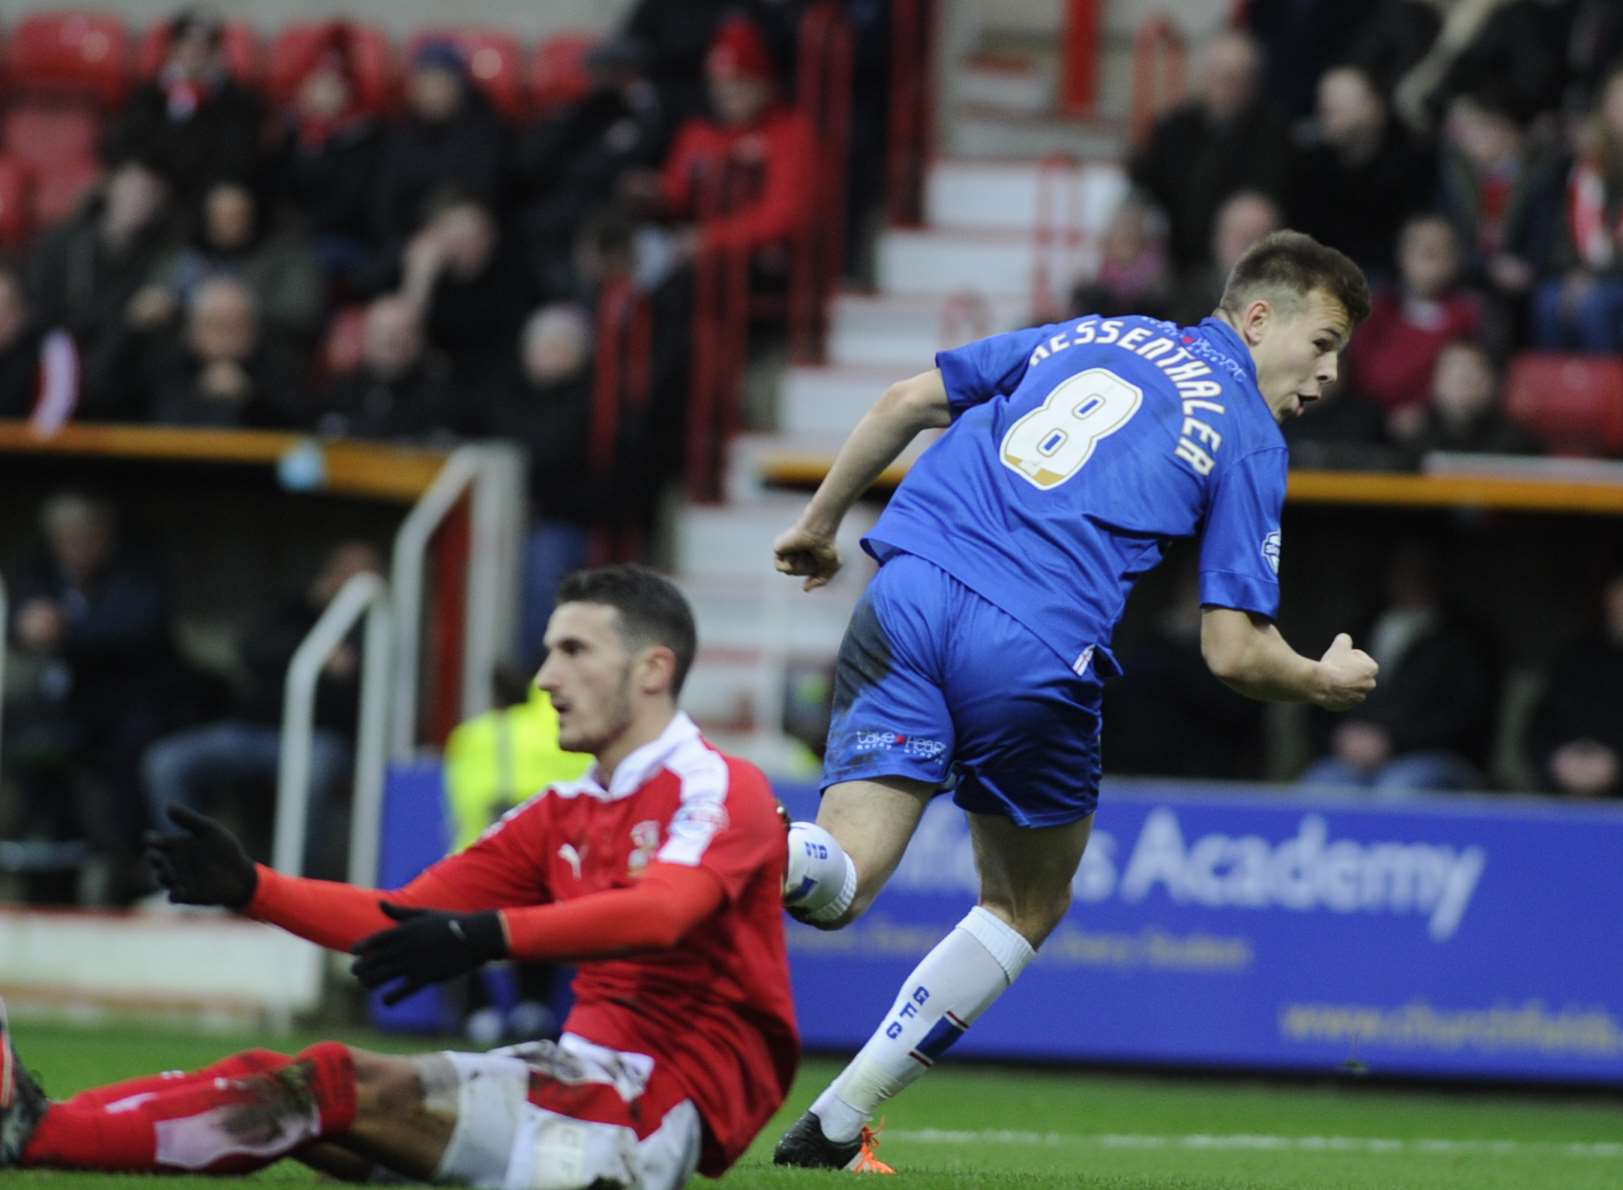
column 1293, row 263
column 652, row 611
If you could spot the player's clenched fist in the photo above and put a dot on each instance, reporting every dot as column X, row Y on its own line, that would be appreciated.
column 809, row 552
column 1346, row 675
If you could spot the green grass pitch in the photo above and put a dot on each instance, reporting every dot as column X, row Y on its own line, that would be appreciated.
column 967, row 1127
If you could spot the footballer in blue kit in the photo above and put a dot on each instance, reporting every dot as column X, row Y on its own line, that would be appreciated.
column 1073, row 454
column 1077, row 452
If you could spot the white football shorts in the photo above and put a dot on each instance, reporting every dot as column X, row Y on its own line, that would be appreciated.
column 568, row 1116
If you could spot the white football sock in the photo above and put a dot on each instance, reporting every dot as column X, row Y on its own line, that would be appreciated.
column 822, row 880
column 945, row 994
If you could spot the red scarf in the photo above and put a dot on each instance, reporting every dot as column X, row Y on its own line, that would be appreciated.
column 1595, row 216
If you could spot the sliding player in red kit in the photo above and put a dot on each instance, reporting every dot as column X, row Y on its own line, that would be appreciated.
column 660, row 872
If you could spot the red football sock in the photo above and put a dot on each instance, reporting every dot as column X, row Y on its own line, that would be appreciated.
column 219, row 1125
column 241, row 1065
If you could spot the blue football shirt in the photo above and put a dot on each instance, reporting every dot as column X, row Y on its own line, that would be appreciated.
column 1077, row 451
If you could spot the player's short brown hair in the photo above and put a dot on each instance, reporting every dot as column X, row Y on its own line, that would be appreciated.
column 1289, row 265
column 652, row 610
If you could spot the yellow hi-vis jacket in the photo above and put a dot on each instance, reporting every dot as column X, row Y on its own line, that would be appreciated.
column 496, row 760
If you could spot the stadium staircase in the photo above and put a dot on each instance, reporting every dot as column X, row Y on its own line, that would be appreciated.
column 1013, row 202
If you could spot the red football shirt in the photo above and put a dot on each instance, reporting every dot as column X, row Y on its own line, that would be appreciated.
column 716, row 1011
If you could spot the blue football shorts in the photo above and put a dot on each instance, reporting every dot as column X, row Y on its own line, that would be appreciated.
column 935, row 683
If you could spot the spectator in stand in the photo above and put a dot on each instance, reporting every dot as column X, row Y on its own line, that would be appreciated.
column 450, row 135
column 1575, row 737
column 222, row 373
column 39, row 368
column 1465, row 413
column 1242, row 220
column 1300, row 42
column 1518, row 45
column 1391, row 39
column 278, row 268
column 471, row 288
column 86, row 271
column 1583, row 308
column 573, row 162
column 223, row 764
column 1167, row 693
column 401, row 389
column 1427, row 726
column 1225, row 140
column 545, row 406
column 1393, row 355
column 1501, row 188
column 329, row 162
column 1364, row 174
column 746, row 176
column 1133, row 275
column 91, row 620
column 193, row 120
column 676, row 39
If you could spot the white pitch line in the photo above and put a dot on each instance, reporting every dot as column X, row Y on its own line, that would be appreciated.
column 1261, row 1142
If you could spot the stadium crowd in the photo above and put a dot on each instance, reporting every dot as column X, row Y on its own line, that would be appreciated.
column 331, row 248
column 1466, row 155
column 328, row 259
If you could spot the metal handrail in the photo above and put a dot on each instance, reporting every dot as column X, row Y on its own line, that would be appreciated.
column 494, row 475
column 826, row 69
column 406, row 576
column 912, row 104
column 363, row 594
column 1057, row 233
column 622, row 380
column 1079, row 57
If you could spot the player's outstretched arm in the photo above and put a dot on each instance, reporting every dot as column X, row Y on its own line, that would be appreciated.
column 428, row 946
column 1248, row 653
column 203, row 864
column 907, row 408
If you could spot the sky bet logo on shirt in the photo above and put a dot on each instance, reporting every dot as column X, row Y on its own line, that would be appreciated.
column 1270, row 550
column 911, row 745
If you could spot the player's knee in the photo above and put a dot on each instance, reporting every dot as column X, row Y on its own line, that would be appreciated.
column 257, row 1061
column 386, row 1084
column 1047, row 916
column 1035, row 918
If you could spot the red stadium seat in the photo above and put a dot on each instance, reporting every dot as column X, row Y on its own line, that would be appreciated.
column 60, row 187
column 494, row 60
column 372, row 59
column 74, row 53
column 241, row 51
column 45, row 131
column 558, row 73
column 16, row 210
column 1574, row 403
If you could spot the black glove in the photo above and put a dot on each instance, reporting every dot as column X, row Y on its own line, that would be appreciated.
column 427, row 947
column 204, row 866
